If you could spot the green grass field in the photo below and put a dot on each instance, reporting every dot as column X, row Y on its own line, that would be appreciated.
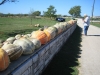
column 97, row 24
column 11, row 26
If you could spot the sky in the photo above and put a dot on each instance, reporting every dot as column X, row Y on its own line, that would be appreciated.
column 62, row 6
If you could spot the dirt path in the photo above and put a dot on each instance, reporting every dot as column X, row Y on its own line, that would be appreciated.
column 90, row 55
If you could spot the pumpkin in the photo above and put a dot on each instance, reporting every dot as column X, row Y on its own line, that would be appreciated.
column 58, row 28
column 75, row 21
column 71, row 22
column 18, row 36
column 11, row 39
column 41, row 36
column 48, row 34
column 68, row 25
column 61, row 27
column 41, row 29
column 52, row 32
column 36, row 42
column 27, row 45
column 5, row 43
column 45, row 27
column 4, row 60
column 55, row 29
column 65, row 25
column 27, row 35
column 32, row 33
column 13, row 51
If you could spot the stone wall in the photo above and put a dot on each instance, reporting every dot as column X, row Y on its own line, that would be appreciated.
column 35, row 63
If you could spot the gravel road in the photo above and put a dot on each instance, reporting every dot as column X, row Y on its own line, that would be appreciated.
column 90, row 55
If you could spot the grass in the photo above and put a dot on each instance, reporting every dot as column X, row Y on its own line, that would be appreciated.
column 10, row 26
column 66, row 61
column 22, row 23
column 97, row 24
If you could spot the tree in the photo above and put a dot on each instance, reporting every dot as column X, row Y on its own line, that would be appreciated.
column 19, row 15
column 64, row 15
column 25, row 15
column 75, row 11
column 50, row 12
column 31, row 15
column 8, row 15
column 1, row 14
column 59, row 15
column 36, row 13
column 4, row 1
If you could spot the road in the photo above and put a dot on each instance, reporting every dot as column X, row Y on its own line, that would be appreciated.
column 90, row 55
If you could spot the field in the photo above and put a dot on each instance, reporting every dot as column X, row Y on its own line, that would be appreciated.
column 96, row 24
column 10, row 26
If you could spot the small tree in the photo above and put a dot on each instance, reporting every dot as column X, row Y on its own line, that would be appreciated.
column 8, row 15
column 75, row 11
column 50, row 12
column 36, row 13
column 1, row 14
column 31, row 15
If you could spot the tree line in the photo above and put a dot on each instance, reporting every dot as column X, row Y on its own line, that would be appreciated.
column 74, row 11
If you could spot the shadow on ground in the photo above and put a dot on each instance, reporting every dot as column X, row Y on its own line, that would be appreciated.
column 65, row 62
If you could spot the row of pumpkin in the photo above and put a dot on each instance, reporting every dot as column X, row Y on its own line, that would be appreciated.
column 14, row 47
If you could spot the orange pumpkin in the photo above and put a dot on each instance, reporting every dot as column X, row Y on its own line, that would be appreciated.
column 40, row 35
column 71, row 22
column 48, row 34
column 4, row 60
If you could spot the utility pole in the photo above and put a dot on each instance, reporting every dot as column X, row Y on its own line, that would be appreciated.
column 93, row 9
